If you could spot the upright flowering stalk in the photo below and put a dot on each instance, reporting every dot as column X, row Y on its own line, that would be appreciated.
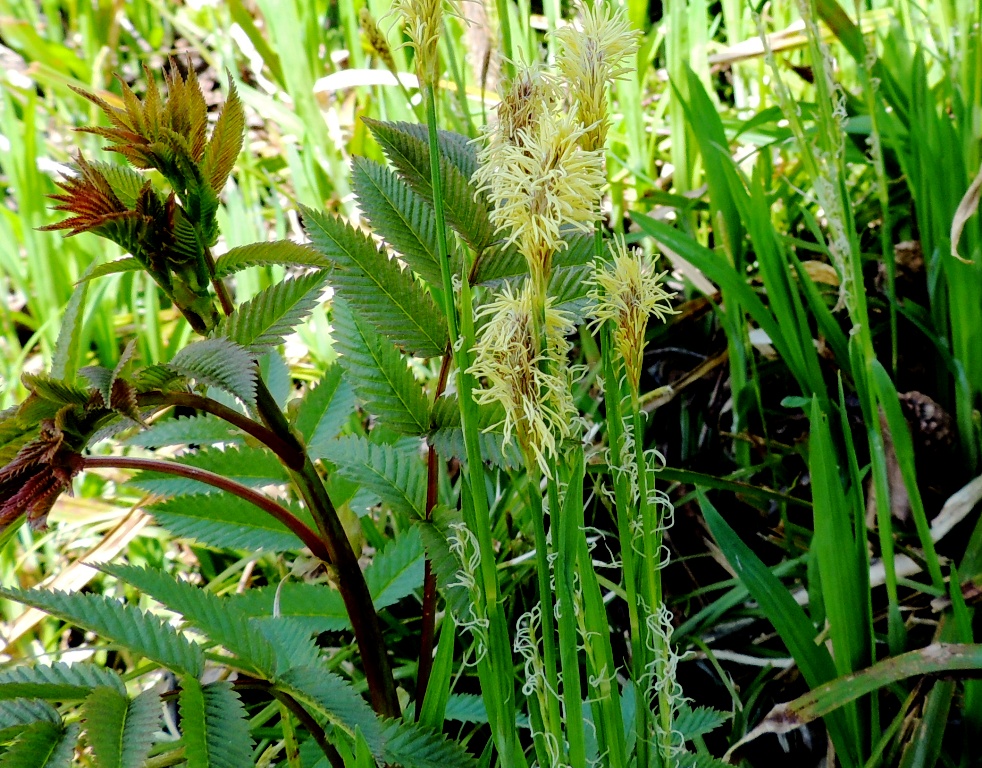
column 538, row 176
column 594, row 53
column 626, row 293
column 424, row 22
column 536, row 398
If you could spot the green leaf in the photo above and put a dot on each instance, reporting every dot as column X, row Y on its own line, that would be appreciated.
column 268, row 317
column 784, row 613
column 127, row 264
column 396, row 475
column 15, row 714
column 284, row 253
column 214, row 726
column 219, row 362
column 141, row 633
column 126, row 183
column 225, row 143
column 324, row 410
column 445, row 563
column 293, row 644
column 692, row 723
column 194, row 430
column 217, row 617
column 119, row 731
column 42, row 745
column 252, row 466
column 225, row 521
column 690, row 760
column 407, row 147
column 413, row 746
column 379, row 374
column 59, row 682
column 314, row 607
column 448, row 437
column 65, row 359
column 55, row 390
column 396, row 571
column 377, row 288
column 399, row 216
column 330, row 694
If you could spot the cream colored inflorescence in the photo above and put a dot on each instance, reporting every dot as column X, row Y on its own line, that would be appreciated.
column 533, row 386
column 627, row 291
column 541, row 180
column 594, row 53
column 542, row 169
column 424, row 24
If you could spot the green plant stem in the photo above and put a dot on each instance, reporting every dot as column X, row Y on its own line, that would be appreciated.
column 565, row 531
column 554, row 721
column 652, row 536
column 267, row 505
column 288, row 452
column 501, row 712
column 428, row 630
column 624, row 505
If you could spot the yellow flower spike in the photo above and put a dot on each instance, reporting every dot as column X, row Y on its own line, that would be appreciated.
column 539, row 185
column 536, row 398
column 424, row 24
column 627, row 291
column 595, row 52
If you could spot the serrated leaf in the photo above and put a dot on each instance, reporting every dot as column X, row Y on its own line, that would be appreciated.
column 690, row 760
column 126, row 264
column 448, row 438
column 324, row 410
column 336, row 699
column 219, row 362
column 268, row 317
column 214, row 726
column 159, row 377
column 399, row 216
column 58, row 682
column 119, row 731
column 379, row 374
column 101, row 379
column 42, row 745
column 217, row 617
column 284, row 253
column 141, row 633
column 413, row 746
column 226, row 522
column 104, row 715
column 225, row 143
column 396, row 571
column 251, row 466
column 506, row 263
column 314, row 607
column 187, row 430
column 396, row 476
column 377, row 288
column 445, row 564
column 692, row 723
column 407, row 148
column 16, row 714
column 294, row 645
column 124, row 181
column 55, row 390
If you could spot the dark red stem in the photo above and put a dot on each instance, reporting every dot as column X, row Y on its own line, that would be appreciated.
column 267, row 505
